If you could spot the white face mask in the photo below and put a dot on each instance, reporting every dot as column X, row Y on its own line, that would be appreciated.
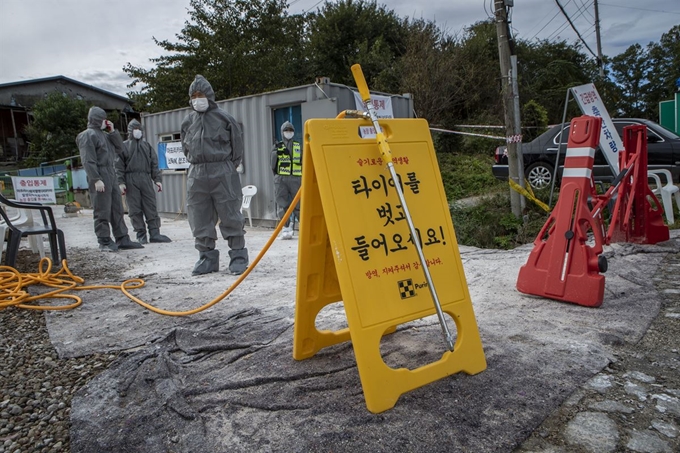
column 288, row 135
column 104, row 126
column 200, row 104
column 137, row 134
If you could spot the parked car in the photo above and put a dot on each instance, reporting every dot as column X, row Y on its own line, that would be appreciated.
column 663, row 151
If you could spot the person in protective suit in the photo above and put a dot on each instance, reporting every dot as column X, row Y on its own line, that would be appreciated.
column 99, row 145
column 286, row 162
column 213, row 145
column 138, row 175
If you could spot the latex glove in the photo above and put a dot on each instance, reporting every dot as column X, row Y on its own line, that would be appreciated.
column 99, row 186
column 160, row 186
column 123, row 189
column 109, row 126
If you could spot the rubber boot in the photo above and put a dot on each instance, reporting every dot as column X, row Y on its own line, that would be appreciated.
column 156, row 236
column 238, row 261
column 287, row 233
column 107, row 245
column 125, row 243
column 141, row 237
column 207, row 262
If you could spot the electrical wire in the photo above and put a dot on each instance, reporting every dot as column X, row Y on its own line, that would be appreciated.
column 574, row 28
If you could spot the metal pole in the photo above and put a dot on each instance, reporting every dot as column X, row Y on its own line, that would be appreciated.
column 387, row 156
column 559, row 147
column 70, row 198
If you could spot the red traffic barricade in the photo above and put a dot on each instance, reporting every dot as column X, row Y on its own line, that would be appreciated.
column 562, row 265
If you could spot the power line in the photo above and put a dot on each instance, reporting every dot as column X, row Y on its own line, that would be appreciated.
column 642, row 9
column 574, row 28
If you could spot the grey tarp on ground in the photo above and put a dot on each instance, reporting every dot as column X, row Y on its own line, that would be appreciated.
column 225, row 380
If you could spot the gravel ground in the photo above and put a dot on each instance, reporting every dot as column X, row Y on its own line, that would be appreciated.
column 36, row 386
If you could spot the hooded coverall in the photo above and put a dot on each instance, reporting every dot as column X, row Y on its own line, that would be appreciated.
column 137, row 168
column 98, row 151
column 213, row 145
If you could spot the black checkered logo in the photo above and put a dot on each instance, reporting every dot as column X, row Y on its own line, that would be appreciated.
column 406, row 288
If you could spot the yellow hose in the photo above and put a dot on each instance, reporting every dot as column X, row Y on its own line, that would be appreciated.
column 13, row 283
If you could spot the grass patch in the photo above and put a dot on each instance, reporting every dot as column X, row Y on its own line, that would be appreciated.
column 466, row 176
column 490, row 224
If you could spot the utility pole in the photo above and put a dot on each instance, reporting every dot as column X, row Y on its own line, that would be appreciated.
column 510, row 95
column 600, row 63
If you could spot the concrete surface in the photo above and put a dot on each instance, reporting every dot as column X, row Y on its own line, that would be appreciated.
column 225, row 380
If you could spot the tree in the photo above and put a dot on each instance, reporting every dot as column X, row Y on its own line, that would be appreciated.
column 57, row 120
column 241, row 46
column 428, row 70
column 665, row 60
column 631, row 70
column 548, row 69
column 346, row 32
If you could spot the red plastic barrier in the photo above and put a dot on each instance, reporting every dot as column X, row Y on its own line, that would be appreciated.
column 635, row 219
column 562, row 266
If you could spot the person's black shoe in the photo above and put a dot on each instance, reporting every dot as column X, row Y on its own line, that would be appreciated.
column 126, row 244
column 158, row 237
column 239, row 261
column 208, row 262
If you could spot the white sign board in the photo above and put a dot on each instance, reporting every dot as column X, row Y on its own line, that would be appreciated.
column 34, row 189
column 381, row 104
column 591, row 104
column 174, row 156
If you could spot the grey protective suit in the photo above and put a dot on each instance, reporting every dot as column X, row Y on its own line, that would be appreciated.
column 285, row 186
column 98, row 151
column 137, row 168
column 213, row 145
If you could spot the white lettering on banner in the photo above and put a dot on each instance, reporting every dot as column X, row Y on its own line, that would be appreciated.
column 591, row 104
column 174, row 156
column 381, row 104
column 34, row 189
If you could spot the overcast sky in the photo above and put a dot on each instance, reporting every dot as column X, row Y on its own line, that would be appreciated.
column 92, row 40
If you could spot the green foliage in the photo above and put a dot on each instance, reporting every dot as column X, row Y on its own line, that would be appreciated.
column 465, row 176
column 490, row 224
column 429, row 70
column 57, row 120
column 346, row 32
column 241, row 46
column 535, row 120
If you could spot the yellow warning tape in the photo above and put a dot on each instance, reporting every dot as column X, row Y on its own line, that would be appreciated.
column 528, row 193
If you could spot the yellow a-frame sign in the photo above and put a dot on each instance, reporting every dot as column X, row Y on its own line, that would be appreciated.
column 355, row 246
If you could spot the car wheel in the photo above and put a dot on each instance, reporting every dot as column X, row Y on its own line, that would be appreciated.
column 539, row 175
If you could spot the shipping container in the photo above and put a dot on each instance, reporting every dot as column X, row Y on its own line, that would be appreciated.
column 261, row 117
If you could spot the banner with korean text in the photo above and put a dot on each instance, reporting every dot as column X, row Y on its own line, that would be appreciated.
column 591, row 104
column 34, row 189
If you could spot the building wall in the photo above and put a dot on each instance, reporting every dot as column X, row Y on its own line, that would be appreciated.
column 254, row 113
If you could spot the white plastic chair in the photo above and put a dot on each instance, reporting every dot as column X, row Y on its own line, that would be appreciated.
column 667, row 191
column 248, row 194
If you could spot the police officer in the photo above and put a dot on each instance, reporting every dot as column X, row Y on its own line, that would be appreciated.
column 286, row 163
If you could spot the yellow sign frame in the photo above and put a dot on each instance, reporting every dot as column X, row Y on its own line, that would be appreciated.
column 350, row 215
